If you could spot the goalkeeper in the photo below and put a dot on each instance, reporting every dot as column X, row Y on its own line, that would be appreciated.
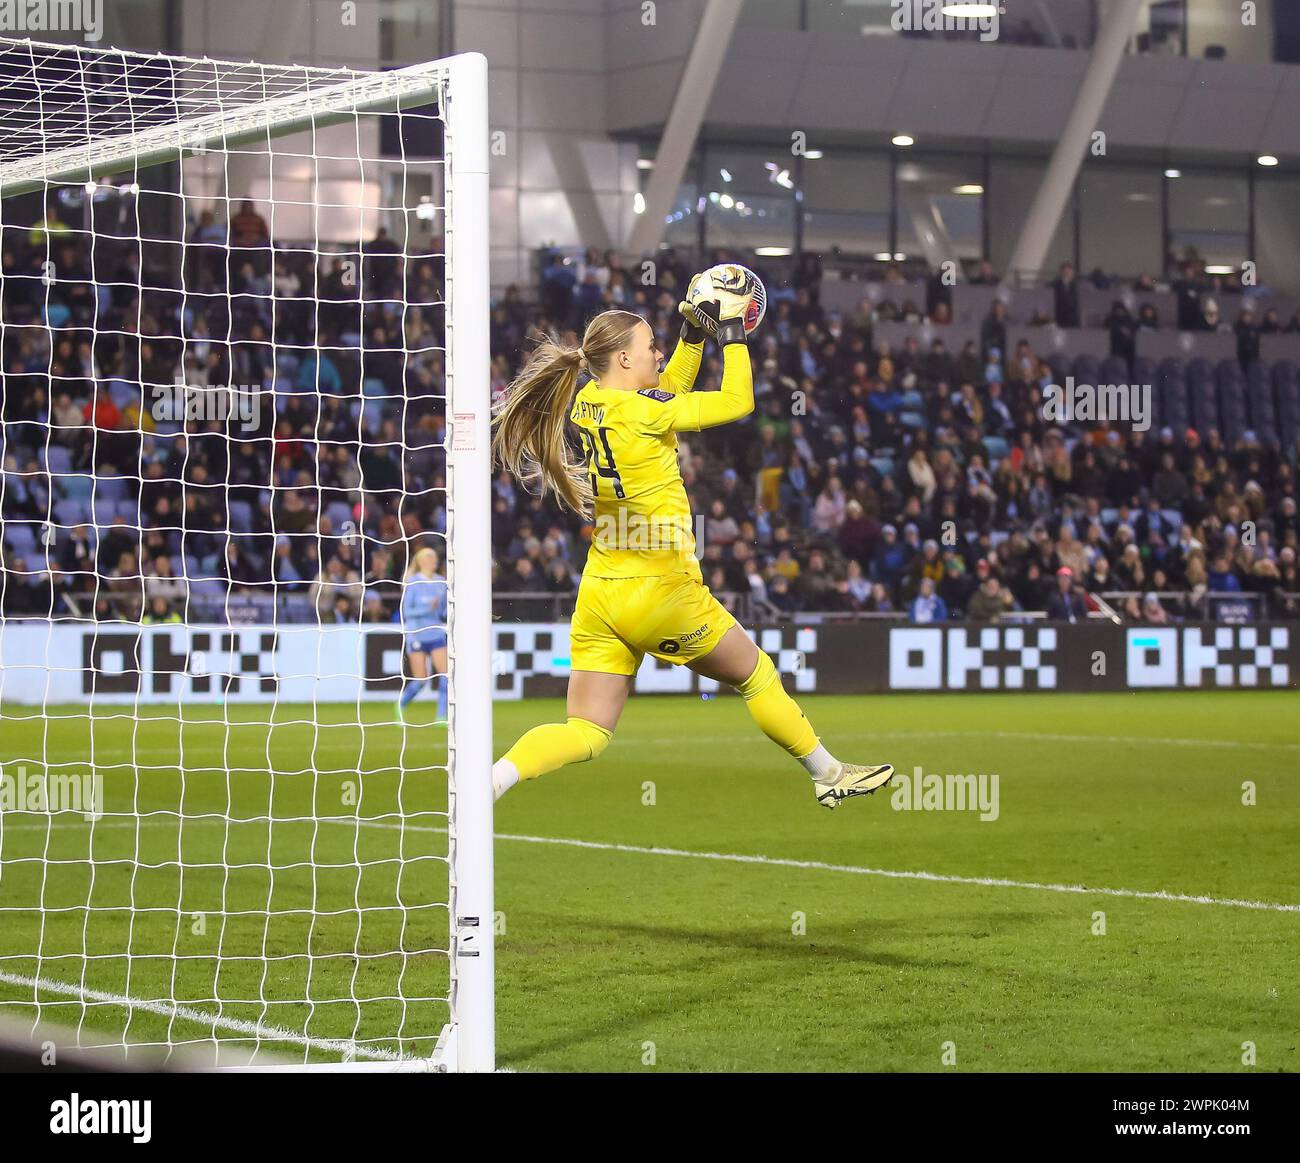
column 642, row 590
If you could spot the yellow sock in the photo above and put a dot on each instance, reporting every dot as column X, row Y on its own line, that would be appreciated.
column 776, row 713
column 554, row 745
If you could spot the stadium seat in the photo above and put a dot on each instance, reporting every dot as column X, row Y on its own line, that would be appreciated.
column 72, row 511
column 21, row 537
column 1172, row 408
column 56, row 458
column 77, row 486
column 997, row 446
column 1114, row 370
column 1288, row 410
column 122, row 393
column 129, row 510
column 241, row 517
column 1259, row 397
column 1086, row 369
column 1227, row 369
column 110, row 488
column 1233, row 418
column 56, row 315
column 1204, row 401
column 103, row 511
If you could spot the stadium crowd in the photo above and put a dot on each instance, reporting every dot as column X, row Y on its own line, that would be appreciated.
column 921, row 483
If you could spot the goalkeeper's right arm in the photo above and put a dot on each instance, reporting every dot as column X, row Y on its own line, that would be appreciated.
column 736, row 399
column 681, row 370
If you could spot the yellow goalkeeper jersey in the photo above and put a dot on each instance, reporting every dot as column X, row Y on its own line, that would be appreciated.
column 643, row 525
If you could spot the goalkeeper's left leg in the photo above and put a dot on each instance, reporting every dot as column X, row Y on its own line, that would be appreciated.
column 781, row 720
column 546, row 748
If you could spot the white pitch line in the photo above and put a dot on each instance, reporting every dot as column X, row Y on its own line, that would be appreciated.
column 858, row 870
column 814, row 865
column 186, row 1013
column 895, row 874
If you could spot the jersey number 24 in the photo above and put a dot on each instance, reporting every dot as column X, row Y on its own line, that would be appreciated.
column 608, row 470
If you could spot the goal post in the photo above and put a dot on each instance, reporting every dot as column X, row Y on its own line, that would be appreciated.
column 89, row 937
column 470, row 518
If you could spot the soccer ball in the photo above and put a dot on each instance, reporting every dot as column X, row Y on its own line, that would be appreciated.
column 725, row 292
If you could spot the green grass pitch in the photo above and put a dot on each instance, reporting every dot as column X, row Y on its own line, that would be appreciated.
column 688, row 957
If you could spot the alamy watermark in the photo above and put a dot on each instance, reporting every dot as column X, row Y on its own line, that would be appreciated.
column 929, row 16
column 83, row 16
column 75, row 1115
column 239, row 404
column 1113, row 403
column 46, row 793
column 931, row 792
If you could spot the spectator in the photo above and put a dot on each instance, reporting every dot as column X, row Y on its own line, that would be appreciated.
column 889, row 559
column 1221, row 579
column 1153, row 613
column 248, row 227
column 988, row 604
column 927, row 606
column 1065, row 292
column 993, row 331
column 1067, row 605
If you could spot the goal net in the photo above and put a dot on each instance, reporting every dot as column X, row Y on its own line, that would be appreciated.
column 243, row 325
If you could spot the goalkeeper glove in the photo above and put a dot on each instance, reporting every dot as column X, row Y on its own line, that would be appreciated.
column 703, row 319
column 692, row 331
column 722, row 304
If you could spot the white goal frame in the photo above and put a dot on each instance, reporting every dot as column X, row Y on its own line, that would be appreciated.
column 460, row 84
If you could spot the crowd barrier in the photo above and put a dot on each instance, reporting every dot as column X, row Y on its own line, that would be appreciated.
column 119, row 663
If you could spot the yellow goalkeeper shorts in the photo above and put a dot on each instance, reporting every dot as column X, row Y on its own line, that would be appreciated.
column 619, row 620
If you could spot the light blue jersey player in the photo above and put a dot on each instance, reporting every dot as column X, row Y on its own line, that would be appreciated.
column 424, row 624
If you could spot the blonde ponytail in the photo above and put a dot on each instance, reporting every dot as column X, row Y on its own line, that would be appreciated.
column 530, row 434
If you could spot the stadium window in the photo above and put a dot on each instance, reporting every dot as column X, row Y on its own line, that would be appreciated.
column 748, row 194
column 1013, row 182
column 846, row 203
column 771, row 14
column 850, row 18
column 1210, row 211
column 1120, row 219
column 682, row 225
column 412, row 31
column 948, row 188
column 1277, row 218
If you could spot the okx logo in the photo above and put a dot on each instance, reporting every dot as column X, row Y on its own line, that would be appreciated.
column 1209, row 656
column 965, row 658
